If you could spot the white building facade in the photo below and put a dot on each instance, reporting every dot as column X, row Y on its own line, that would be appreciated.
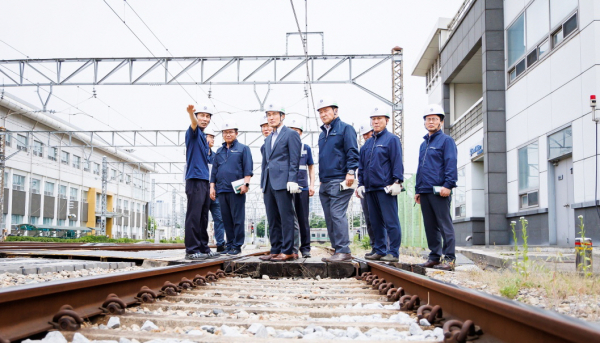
column 55, row 179
column 515, row 79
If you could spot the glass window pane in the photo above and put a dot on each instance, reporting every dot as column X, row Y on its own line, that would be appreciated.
column 570, row 25
column 560, row 143
column 538, row 22
column 560, row 9
column 516, row 40
column 544, row 48
column 557, row 38
column 528, row 167
column 520, row 67
column 532, row 58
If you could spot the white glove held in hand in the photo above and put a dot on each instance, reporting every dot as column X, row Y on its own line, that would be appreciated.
column 293, row 187
column 360, row 191
column 395, row 189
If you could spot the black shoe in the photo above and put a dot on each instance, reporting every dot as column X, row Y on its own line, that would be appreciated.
column 429, row 264
column 447, row 266
column 226, row 251
column 370, row 253
column 197, row 256
column 306, row 254
column 234, row 251
column 212, row 254
column 220, row 248
column 374, row 257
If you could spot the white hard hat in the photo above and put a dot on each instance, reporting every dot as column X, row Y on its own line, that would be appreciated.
column 378, row 112
column 296, row 123
column 229, row 125
column 274, row 107
column 205, row 109
column 326, row 102
column 209, row 131
column 434, row 109
column 263, row 120
column 365, row 128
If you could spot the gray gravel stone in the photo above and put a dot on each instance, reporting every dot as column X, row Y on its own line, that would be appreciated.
column 415, row 329
column 54, row 337
column 266, row 277
column 113, row 323
column 254, row 328
column 217, row 311
column 208, row 328
column 79, row 338
column 124, row 340
column 195, row 332
column 229, row 331
column 353, row 332
column 424, row 322
column 149, row 326
column 271, row 331
column 102, row 327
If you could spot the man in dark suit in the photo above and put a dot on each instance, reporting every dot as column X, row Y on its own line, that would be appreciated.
column 279, row 183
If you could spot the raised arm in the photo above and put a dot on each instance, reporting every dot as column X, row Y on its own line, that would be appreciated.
column 193, row 119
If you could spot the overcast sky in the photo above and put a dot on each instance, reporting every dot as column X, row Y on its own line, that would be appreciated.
column 75, row 28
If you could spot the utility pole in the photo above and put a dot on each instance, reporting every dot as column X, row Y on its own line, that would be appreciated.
column 173, row 214
column 103, row 196
column 152, row 198
column 2, row 166
column 398, row 95
column 181, row 214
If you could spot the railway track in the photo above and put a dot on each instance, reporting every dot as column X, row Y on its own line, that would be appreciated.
column 90, row 246
column 199, row 302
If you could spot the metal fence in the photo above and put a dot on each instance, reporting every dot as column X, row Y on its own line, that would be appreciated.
column 411, row 220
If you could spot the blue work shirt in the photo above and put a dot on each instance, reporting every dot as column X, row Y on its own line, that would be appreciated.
column 437, row 163
column 380, row 163
column 338, row 151
column 196, row 155
column 305, row 161
column 230, row 164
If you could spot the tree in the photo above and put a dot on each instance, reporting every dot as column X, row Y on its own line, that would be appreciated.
column 151, row 227
column 317, row 222
column 356, row 221
column 260, row 228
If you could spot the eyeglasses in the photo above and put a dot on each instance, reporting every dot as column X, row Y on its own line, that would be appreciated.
column 432, row 119
column 228, row 133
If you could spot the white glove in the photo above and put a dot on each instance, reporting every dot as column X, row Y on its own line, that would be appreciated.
column 395, row 189
column 293, row 187
column 360, row 191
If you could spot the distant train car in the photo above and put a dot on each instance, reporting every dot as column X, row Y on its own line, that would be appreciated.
column 319, row 235
column 66, row 232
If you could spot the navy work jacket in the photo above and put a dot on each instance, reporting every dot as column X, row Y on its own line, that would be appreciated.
column 437, row 163
column 196, row 155
column 338, row 151
column 305, row 161
column 380, row 162
column 230, row 165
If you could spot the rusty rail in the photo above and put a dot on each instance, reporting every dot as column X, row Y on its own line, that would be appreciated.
column 31, row 309
column 500, row 318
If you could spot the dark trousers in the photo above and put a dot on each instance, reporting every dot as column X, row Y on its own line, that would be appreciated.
column 438, row 226
column 282, row 219
column 301, row 206
column 383, row 210
column 233, row 212
column 215, row 211
column 365, row 208
column 196, row 216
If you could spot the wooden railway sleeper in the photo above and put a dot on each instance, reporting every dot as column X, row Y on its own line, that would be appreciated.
column 456, row 331
column 146, row 295
column 431, row 313
column 113, row 305
column 66, row 319
column 409, row 302
column 394, row 294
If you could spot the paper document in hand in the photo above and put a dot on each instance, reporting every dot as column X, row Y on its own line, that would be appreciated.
column 237, row 185
column 438, row 189
column 343, row 185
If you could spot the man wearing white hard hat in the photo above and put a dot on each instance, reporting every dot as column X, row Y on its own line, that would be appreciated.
column 266, row 130
column 230, row 181
column 306, row 174
column 380, row 177
column 436, row 176
column 367, row 132
column 196, row 184
column 338, row 161
column 279, row 183
column 215, row 208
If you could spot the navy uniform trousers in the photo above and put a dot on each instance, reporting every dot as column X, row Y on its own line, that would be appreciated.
column 383, row 212
column 196, row 216
column 301, row 205
column 283, row 225
column 438, row 226
column 233, row 213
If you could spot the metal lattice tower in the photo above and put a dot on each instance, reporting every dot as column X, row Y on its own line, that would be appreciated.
column 398, row 94
column 103, row 196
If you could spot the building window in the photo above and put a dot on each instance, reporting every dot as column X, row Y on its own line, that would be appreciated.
column 52, row 153
column 529, row 178
column 560, row 143
column 64, row 157
column 22, row 142
column 34, row 220
column 84, row 196
column 35, row 186
column 460, row 198
column 538, row 22
column 62, row 192
column 559, row 9
column 76, row 162
column 119, row 204
column 18, row 182
column 96, row 168
column 86, row 165
column 516, row 40
column 5, row 179
column 128, row 179
column 61, row 222
column 47, row 221
column 73, row 194
column 38, row 149
column 49, row 189
column 8, row 139
column 126, row 205
column 113, row 174
column 71, row 222
column 138, row 207
column 16, row 219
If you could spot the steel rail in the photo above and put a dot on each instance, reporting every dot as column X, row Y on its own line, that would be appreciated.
column 502, row 319
column 30, row 309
